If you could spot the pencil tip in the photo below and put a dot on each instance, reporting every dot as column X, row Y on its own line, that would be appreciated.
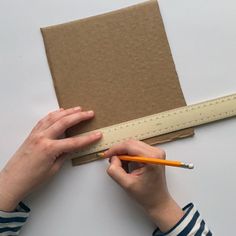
column 100, row 154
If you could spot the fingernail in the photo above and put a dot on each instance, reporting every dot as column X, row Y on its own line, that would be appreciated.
column 98, row 134
column 90, row 113
column 100, row 154
column 77, row 108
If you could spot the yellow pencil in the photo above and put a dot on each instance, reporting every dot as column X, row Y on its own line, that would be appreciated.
column 150, row 160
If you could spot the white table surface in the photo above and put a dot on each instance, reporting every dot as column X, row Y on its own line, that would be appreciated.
column 84, row 200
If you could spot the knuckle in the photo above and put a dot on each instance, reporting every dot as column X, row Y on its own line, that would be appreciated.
column 55, row 169
column 129, row 185
column 42, row 143
column 64, row 122
column 130, row 142
column 50, row 117
column 111, row 170
column 73, row 144
column 37, row 138
column 162, row 153
column 40, row 122
column 82, row 116
column 47, row 147
column 157, row 153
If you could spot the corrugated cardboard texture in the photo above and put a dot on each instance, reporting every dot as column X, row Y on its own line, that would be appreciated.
column 118, row 64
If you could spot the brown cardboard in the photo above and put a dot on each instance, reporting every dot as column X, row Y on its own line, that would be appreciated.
column 119, row 64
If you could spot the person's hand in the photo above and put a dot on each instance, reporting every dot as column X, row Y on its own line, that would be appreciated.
column 42, row 155
column 146, row 184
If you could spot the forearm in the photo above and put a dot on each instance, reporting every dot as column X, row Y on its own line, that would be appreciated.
column 8, row 198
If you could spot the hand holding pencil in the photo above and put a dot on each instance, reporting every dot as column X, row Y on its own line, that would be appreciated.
column 147, row 183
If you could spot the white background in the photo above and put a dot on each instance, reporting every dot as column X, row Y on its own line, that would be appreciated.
column 83, row 200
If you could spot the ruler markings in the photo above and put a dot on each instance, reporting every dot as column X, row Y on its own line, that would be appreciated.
column 171, row 120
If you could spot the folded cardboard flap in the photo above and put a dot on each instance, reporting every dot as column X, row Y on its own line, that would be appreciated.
column 119, row 64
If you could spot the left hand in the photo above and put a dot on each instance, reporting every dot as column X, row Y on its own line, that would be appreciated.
column 41, row 155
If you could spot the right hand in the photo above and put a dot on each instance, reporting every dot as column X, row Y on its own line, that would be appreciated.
column 146, row 184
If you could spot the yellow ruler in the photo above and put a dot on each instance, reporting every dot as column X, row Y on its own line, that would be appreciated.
column 164, row 122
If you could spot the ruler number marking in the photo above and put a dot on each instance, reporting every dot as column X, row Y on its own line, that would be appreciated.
column 163, row 115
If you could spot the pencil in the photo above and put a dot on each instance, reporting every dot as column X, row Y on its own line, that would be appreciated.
column 150, row 160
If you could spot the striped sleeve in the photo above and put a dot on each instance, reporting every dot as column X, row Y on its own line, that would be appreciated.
column 12, row 222
column 191, row 224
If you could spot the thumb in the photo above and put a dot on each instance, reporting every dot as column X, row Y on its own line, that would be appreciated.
column 117, row 173
column 58, row 164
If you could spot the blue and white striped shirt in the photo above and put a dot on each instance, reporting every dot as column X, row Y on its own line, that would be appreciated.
column 12, row 222
column 191, row 223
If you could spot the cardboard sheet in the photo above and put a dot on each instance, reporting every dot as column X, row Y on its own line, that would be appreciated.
column 118, row 64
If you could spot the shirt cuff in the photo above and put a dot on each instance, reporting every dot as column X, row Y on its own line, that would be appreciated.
column 190, row 224
column 12, row 222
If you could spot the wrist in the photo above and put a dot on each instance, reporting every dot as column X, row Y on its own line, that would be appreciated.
column 8, row 200
column 166, row 214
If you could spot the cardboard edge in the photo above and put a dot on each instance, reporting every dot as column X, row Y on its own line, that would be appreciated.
column 146, row 2
column 50, row 65
column 92, row 157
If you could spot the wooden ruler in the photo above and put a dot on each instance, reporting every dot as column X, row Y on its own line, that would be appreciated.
column 164, row 122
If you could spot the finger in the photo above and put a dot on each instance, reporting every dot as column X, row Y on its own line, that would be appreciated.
column 150, row 151
column 133, row 147
column 138, row 172
column 58, row 164
column 129, row 147
column 135, row 165
column 66, row 122
column 117, row 173
column 54, row 116
column 77, row 143
column 154, row 152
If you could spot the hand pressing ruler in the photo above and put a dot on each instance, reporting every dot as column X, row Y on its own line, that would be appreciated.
column 164, row 122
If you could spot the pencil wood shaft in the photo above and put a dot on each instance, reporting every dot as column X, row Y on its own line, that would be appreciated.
column 149, row 160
